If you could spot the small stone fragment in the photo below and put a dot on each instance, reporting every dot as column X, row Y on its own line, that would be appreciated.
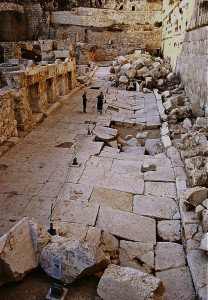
column 148, row 167
column 204, row 242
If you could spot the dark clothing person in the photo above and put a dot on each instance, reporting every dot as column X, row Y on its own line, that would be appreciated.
column 84, row 99
column 100, row 102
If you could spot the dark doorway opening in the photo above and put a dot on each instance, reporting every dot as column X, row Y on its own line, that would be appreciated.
column 35, row 98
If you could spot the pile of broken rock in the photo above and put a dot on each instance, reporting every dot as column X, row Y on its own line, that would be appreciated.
column 27, row 245
column 142, row 72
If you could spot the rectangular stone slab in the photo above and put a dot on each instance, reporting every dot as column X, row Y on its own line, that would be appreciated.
column 156, row 207
column 127, row 225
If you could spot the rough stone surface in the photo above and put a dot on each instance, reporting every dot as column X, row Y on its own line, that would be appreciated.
column 195, row 195
column 117, row 222
column 169, row 255
column 16, row 252
column 127, row 283
column 115, row 199
column 169, row 230
column 177, row 283
column 156, row 207
column 137, row 255
column 77, row 258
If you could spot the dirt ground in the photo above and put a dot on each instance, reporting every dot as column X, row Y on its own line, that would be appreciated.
column 36, row 285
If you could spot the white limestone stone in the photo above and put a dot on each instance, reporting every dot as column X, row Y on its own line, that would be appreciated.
column 105, row 133
column 178, row 284
column 137, row 255
column 169, row 230
column 166, row 141
column 196, row 195
column 160, row 189
column 160, row 174
column 16, row 253
column 169, row 255
column 204, row 242
column 127, row 283
column 116, row 222
column 152, row 146
column 77, row 258
column 133, row 150
column 156, row 207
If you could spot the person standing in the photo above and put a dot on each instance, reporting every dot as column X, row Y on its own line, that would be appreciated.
column 84, row 100
column 100, row 98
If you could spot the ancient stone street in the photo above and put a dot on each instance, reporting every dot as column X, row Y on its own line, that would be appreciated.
column 119, row 192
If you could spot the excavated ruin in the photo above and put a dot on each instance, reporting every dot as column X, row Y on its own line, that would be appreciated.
column 110, row 203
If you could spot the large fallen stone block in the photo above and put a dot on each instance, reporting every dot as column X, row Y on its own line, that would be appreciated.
column 196, row 195
column 104, row 133
column 77, row 258
column 16, row 253
column 127, row 283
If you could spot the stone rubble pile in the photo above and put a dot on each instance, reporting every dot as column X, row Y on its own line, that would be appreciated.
column 143, row 72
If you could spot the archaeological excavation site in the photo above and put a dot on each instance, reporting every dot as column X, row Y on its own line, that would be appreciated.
column 104, row 149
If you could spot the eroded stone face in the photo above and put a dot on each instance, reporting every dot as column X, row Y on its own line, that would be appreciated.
column 127, row 283
column 77, row 258
column 16, row 252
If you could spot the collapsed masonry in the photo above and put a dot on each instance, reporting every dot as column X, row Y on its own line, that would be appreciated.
column 36, row 89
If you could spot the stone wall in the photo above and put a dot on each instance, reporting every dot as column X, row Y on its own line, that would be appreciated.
column 8, row 124
column 112, row 32
column 185, row 37
column 38, row 88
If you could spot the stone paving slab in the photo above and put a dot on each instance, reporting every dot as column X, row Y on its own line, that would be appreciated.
column 160, row 189
column 156, row 207
column 161, row 174
column 178, row 284
column 126, row 166
column 76, row 212
column 14, row 205
column 115, row 199
column 117, row 222
column 73, row 191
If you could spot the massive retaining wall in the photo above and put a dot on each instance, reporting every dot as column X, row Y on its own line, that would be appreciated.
column 185, row 44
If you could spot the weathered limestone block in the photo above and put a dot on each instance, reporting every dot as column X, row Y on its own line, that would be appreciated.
column 178, row 284
column 205, row 220
column 137, row 255
column 105, row 133
column 131, row 73
column 166, row 94
column 152, row 146
column 40, row 238
column 142, row 72
column 124, row 69
column 16, row 253
column 160, row 189
column 204, row 242
column 149, row 82
column 169, row 255
column 197, row 261
column 138, row 64
column 134, row 150
column 198, row 210
column 187, row 123
column 156, row 207
column 123, row 80
column 196, row 195
column 127, row 283
column 116, row 222
column 77, row 258
column 169, row 230
column 199, row 177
